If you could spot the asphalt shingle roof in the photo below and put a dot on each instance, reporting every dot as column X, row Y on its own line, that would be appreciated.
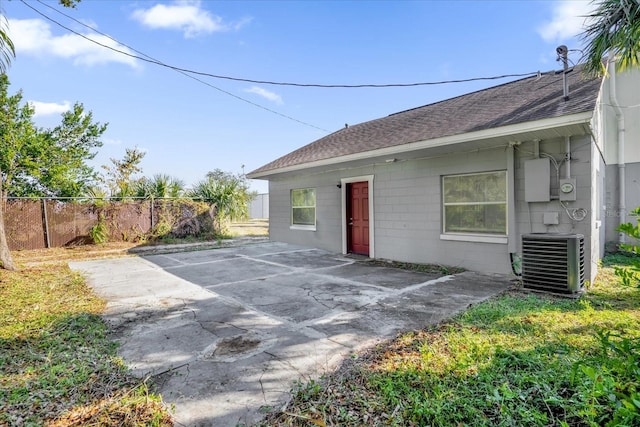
column 520, row 101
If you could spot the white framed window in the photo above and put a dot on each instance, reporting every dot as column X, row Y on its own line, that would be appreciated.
column 303, row 208
column 475, row 203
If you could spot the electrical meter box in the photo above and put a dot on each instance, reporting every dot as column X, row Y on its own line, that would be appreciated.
column 567, row 190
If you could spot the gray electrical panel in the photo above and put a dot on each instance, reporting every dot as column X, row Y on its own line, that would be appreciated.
column 537, row 180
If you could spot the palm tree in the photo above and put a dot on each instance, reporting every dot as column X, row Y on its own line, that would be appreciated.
column 7, row 50
column 614, row 27
column 161, row 185
column 228, row 193
column 7, row 53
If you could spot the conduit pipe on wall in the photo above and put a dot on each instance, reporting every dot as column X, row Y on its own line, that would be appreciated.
column 613, row 98
column 567, row 150
column 512, row 229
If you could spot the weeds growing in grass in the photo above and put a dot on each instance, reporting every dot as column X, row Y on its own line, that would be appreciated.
column 58, row 366
column 608, row 381
column 518, row 359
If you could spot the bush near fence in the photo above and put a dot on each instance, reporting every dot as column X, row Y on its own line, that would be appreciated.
column 48, row 223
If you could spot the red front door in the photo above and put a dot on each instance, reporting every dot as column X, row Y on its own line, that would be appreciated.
column 358, row 218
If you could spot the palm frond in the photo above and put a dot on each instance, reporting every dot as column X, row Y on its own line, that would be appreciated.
column 613, row 28
column 7, row 49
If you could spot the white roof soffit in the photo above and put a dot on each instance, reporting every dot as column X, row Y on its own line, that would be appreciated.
column 511, row 132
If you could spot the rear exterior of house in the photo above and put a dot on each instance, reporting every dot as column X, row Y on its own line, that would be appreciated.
column 460, row 182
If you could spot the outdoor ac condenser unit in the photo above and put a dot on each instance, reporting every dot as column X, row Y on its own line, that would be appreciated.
column 553, row 262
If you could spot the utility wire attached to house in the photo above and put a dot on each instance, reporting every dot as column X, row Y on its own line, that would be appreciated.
column 147, row 58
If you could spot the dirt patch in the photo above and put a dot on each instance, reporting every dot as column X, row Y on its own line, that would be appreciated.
column 235, row 345
column 253, row 227
column 33, row 257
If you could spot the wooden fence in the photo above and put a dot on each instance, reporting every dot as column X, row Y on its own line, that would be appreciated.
column 49, row 223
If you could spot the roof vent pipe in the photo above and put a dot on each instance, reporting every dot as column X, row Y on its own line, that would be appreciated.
column 563, row 55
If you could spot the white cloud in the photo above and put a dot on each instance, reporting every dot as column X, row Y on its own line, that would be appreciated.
column 271, row 96
column 49, row 108
column 34, row 37
column 186, row 16
column 568, row 20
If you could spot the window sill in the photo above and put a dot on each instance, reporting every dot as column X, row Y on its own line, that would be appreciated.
column 479, row 238
column 303, row 227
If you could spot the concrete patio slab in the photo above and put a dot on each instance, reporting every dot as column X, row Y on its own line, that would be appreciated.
column 226, row 332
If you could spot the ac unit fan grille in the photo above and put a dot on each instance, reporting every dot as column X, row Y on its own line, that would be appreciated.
column 553, row 262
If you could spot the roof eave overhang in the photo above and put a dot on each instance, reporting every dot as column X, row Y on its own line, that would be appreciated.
column 486, row 134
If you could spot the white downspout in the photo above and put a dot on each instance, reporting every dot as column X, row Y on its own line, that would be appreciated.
column 622, row 209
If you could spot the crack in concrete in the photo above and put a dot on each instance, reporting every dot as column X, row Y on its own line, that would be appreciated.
column 290, row 325
column 310, row 294
column 339, row 343
column 342, row 280
column 285, row 363
column 264, row 395
column 376, row 299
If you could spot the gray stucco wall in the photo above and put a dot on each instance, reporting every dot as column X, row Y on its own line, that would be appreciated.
column 328, row 212
column 407, row 206
column 409, row 216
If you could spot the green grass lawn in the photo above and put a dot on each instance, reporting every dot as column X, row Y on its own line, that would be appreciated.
column 58, row 365
column 517, row 360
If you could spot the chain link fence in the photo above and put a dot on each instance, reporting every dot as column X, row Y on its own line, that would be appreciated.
column 49, row 223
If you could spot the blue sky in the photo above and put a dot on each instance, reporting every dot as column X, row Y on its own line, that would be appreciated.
column 188, row 128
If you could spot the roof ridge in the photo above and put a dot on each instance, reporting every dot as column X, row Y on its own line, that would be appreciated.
column 550, row 72
column 522, row 100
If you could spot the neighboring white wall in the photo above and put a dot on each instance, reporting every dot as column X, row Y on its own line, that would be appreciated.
column 606, row 128
column 259, row 207
column 598, row 216
column 628, row 94
column 632, row 199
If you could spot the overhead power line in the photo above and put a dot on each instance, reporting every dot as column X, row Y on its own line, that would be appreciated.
column 192, row 73
column 146, row 58
column 155, row 61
